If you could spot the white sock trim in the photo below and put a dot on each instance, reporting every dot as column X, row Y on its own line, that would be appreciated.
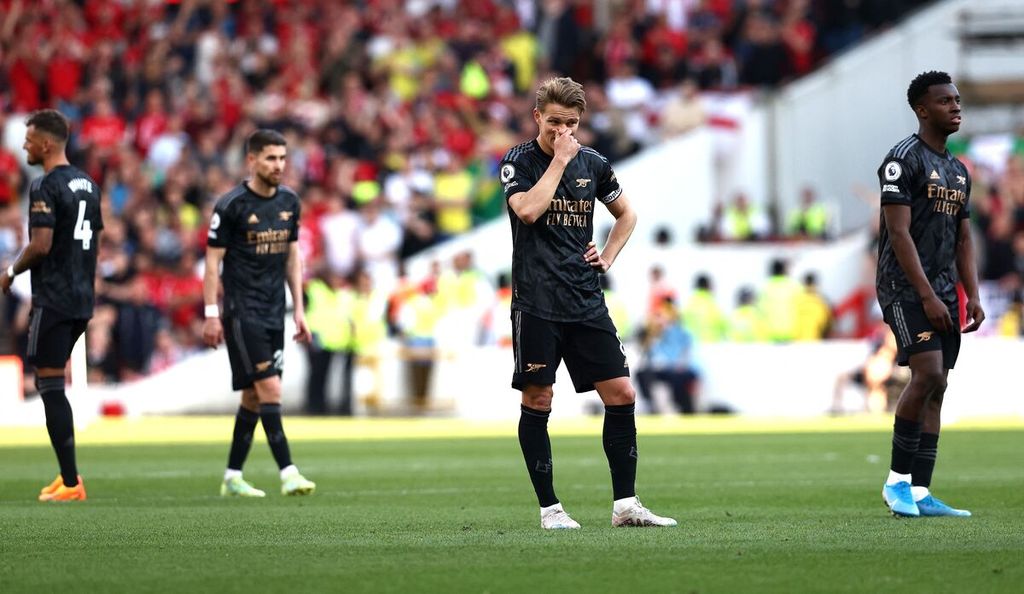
column 231, row 473
column 551, row 508
column 919, row 493
column 895, row 477
column 288, row 471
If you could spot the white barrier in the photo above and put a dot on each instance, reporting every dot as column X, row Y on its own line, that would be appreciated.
column 794, row 380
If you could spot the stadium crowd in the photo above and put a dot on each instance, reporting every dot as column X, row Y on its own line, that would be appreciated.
column 396, row 113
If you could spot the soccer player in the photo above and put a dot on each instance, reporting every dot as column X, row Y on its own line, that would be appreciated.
column 254, row 231
column 924, row 246
column 64, row 228
column 558, row 310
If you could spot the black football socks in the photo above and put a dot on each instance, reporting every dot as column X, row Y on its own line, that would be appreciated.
column 536, row 446
column 60, row 425
column 270, row 414
column 619, row 437
column 241, row 439
column 924, row 461
column 906, row 437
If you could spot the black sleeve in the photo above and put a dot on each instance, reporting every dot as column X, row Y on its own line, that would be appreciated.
column 296, row 215
column 608, row 189
column 221, row 226
column 894, row 178
column 516, row 176
column 42, row 205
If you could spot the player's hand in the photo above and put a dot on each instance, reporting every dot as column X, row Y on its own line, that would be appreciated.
column 566, row 146
column 302, row 333
column 5, row 282
column 213, row 332
column 593, row 257
column 938, row 314
column 975, row 314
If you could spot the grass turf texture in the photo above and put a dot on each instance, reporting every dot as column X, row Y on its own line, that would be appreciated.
column 758, row 511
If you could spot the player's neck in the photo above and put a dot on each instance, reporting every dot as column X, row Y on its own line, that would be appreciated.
column 260, row 188
column 55, row 161
column 548, row 150
column 935, row 140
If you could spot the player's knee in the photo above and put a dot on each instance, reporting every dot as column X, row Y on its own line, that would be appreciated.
column 268, row 391
column 621, row 395
column 538, row 398
column 931, row 381
column 250, row 401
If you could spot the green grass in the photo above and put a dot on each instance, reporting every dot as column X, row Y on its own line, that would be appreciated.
column 779, row 513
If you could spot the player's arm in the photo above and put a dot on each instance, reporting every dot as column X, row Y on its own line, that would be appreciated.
column 967, row 268
column 531, row 205
column 294, row 272
column 34, row 252
column 213, row 330
column 897, row 223
column 625, row 221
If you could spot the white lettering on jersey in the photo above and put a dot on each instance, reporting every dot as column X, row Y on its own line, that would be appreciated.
column 80, row 184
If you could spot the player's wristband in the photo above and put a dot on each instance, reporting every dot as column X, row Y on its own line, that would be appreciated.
column 10, row 272
column 212, row 311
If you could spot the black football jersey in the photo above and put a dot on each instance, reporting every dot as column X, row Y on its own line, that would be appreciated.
column 68, row 201
column 937, row 189
column 550, row 279
column 257, row 233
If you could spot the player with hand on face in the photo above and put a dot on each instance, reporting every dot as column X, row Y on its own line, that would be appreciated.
column 552, row 185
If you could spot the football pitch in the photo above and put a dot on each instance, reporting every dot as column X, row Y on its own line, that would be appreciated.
column 426, row 506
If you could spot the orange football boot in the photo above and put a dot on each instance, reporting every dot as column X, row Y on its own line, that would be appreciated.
column 64, row 493
column 48, row 490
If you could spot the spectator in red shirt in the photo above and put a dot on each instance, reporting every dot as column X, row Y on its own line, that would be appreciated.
column 10, row 176
column 103, row 130
column 153, row 121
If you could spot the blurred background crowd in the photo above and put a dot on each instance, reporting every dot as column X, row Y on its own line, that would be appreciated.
column 396, row 113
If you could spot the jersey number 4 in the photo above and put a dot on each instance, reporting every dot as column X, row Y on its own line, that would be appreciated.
column 83, row 227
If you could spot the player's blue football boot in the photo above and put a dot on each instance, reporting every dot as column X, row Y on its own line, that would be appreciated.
column 933, row 506
column 899, row 500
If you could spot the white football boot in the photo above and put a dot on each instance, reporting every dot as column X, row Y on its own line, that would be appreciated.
column 555, row 518
column 630, row 512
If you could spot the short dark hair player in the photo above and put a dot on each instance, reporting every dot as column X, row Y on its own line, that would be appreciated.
column 924, row 247
column 64, row 221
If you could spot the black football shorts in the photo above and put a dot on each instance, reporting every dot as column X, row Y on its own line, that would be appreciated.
column 915, row 334
column 591, row 350
column 256, row 352
column 51, row 336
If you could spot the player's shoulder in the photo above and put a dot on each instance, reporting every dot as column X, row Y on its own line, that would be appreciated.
column 287, row 193
column 521, row 150
column 593, row 155
column 904, row 149
column 230, row 197
column 36, row 184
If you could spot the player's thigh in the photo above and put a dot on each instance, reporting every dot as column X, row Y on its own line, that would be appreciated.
column 51, row 338
column 536, row 345
column 915, row 334
column 255, row 352
column 593, row 353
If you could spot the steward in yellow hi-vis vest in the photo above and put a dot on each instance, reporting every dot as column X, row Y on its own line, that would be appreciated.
column 702, row 316
column 778, row 303
column 329, row 304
